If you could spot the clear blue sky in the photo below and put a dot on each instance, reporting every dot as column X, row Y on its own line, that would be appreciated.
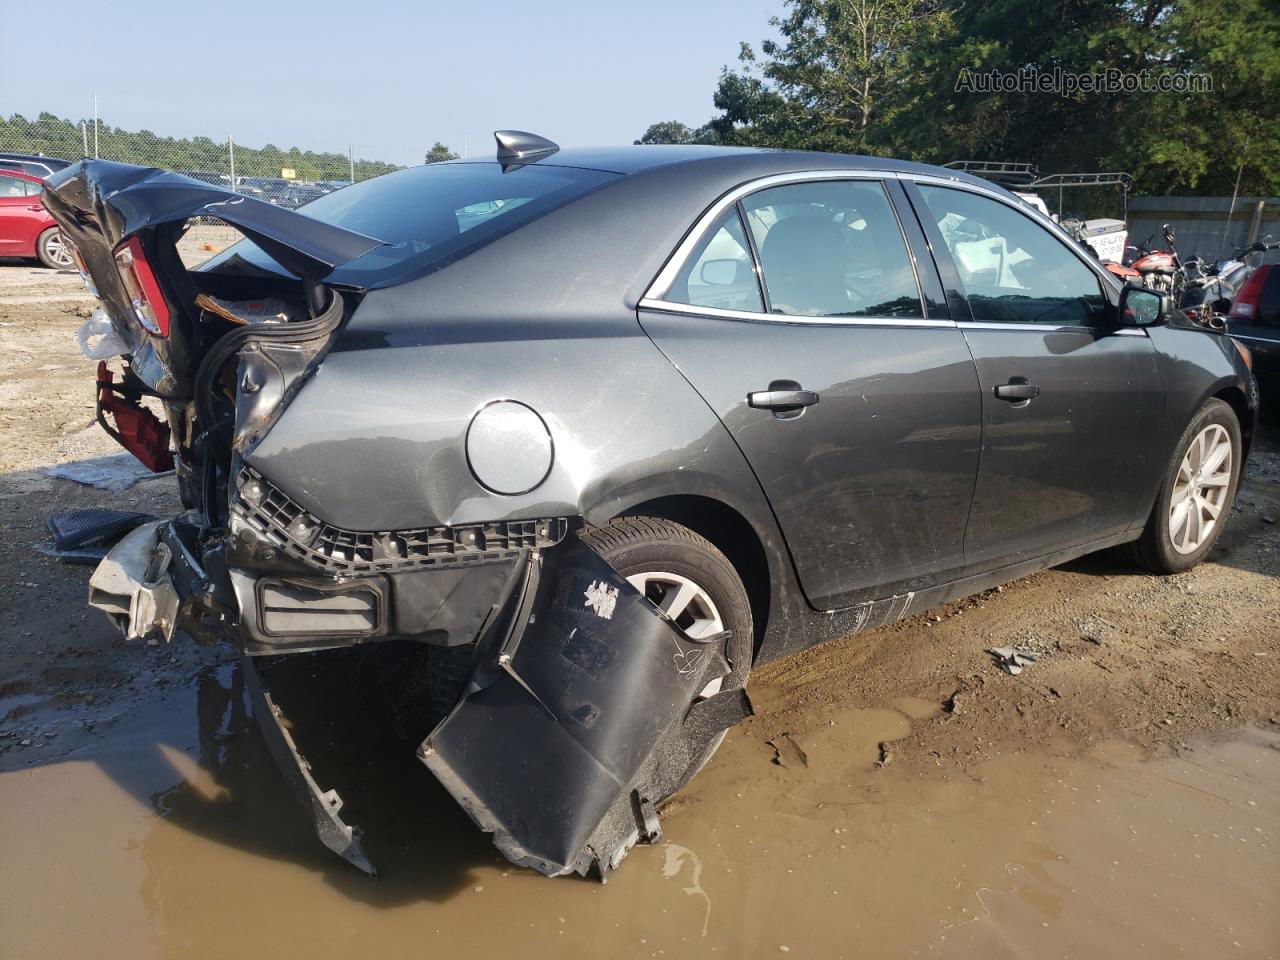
column 389, row 79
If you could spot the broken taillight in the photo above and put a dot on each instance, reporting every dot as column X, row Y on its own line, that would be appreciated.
column 1245, row 305
column 140, row 283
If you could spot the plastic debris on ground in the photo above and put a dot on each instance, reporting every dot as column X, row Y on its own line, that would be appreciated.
column 116, row 473
column 1012, row 659
column 85, row 536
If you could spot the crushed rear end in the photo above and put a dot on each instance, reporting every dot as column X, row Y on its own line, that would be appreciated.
column 575, row 713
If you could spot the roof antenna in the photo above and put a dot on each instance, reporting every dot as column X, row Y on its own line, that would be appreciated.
column 516, row 148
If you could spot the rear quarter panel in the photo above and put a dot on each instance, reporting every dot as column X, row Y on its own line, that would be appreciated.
column 376, row 440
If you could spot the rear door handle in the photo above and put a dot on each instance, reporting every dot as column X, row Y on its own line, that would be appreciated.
column 1017, row 390
column 786, row 398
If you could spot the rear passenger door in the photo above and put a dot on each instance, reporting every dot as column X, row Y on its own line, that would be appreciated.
column 798, row 313
column 1070, row 399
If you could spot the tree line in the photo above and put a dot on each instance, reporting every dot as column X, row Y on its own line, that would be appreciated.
column 930, row 80
column 56, row 137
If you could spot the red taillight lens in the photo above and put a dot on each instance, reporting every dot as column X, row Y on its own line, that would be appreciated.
column 1245, row 305
column 140, row 283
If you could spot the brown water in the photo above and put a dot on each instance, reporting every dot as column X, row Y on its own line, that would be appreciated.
column 171, row 837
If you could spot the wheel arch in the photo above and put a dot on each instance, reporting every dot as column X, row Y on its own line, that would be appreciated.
column 1236, row 399
column 731, row 533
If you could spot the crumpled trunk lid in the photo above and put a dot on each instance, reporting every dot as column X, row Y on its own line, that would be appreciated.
column 99, row 205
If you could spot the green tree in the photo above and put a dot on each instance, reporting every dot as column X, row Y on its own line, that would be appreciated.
column 882, row 76
column 57, row 137
column 673, row 131
column 440, row 153
column 832, row 82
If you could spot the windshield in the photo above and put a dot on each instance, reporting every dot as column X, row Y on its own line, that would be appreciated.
column 426, row 216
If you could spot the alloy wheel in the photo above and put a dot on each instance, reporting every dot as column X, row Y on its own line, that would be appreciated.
column 56, row 248
column 686, row 603
column 1200, row 489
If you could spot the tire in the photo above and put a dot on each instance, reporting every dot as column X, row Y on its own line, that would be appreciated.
column 635, row 546
column 51, row 250
column 1156, row 549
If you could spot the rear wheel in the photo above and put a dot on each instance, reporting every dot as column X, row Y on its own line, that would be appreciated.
column 1195, row 499
column 51, row 248
column 689, row 579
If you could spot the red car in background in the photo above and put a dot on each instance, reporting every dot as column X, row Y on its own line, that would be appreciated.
column 26, row 229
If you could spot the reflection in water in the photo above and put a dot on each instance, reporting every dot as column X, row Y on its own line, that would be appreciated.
column 1028, row 855
column 677, row 858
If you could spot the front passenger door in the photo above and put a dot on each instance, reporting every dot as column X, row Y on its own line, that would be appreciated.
column 1070, row 400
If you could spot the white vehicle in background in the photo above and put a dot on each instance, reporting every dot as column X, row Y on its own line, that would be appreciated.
column 1104, row 236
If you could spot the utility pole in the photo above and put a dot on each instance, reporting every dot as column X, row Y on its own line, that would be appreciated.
column 231, row 159
column 351, row 163
column 95, row 125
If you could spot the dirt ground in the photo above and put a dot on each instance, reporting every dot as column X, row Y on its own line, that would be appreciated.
column 895, row 795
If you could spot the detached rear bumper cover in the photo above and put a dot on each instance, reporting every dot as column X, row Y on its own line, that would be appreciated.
column 579, row 719
column 582, row 712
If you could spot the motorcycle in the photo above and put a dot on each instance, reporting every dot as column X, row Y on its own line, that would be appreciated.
column 1161, row 270
column 1209, row 289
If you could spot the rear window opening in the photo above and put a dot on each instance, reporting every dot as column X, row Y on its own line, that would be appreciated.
column 204, row 238
column 426, row 217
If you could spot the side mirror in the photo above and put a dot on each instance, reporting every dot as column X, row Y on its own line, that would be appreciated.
column 1140, row 307
column 719, row 273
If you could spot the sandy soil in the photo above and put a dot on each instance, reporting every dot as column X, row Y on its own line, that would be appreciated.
column 895, row 795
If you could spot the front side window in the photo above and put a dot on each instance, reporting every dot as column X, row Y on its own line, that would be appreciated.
column 12, row 187
column 1013, row 270
column 832, row 249
column 721, row 272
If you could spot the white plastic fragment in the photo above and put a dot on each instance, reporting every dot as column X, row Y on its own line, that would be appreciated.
column 1012, row 659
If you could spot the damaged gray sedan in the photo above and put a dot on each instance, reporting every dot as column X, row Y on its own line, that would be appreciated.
column 604, row 429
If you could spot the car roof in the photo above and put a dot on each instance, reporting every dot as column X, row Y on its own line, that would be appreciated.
column 619, row 235
column 717, row 162
column 650, row 156
column 35, row 158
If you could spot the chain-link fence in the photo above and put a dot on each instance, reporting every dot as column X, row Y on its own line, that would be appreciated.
column 287, row 177
column 268, row 169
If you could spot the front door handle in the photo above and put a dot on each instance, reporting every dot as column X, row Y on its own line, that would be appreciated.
column 1017, row 390
column 786, row 398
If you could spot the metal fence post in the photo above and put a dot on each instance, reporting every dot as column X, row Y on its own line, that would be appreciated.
column 351, row 163
column 231, row 160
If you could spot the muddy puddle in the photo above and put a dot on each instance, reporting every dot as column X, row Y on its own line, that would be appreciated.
column 172, row 835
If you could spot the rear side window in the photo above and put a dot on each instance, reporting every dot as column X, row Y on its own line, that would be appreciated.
column 833, row 249
column 721, row 272
column 427, row 217
column 12, row 186
column 1013, row 270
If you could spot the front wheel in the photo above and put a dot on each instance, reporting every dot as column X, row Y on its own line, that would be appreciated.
column 51, row 248
column 1195, row 499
